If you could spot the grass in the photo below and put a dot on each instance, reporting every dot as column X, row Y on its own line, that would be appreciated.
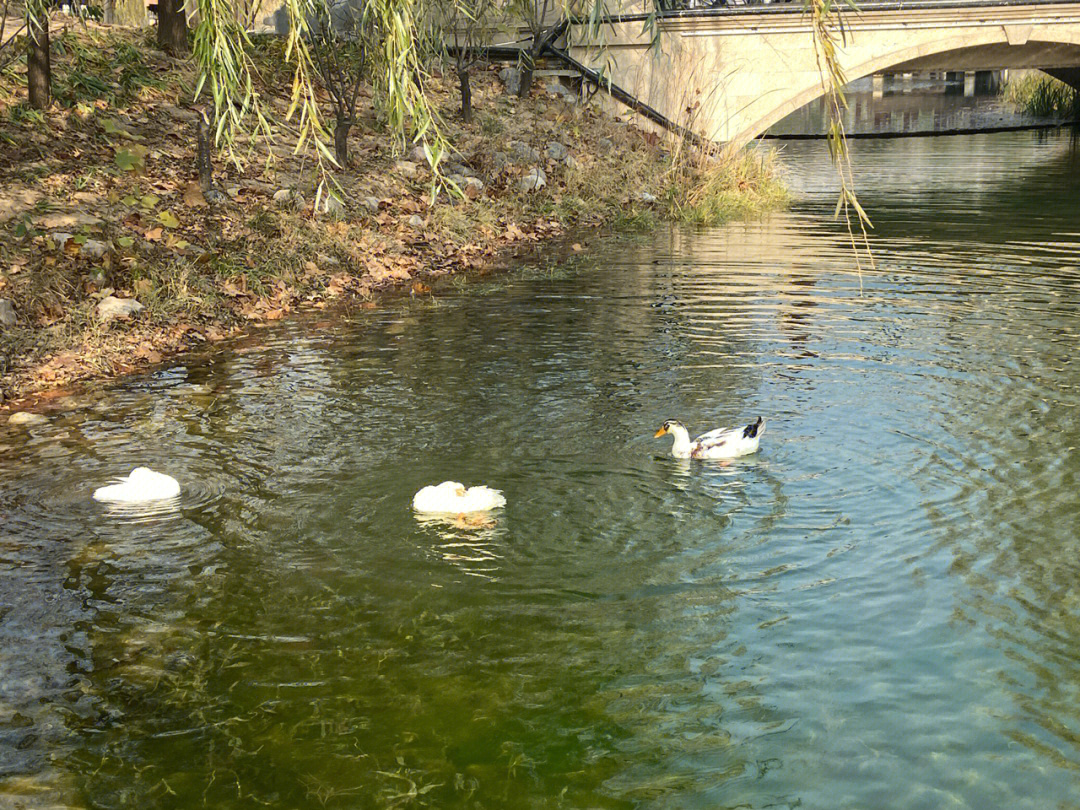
column 1043, row 96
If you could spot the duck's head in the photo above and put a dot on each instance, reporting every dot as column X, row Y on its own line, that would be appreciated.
column 668, row 427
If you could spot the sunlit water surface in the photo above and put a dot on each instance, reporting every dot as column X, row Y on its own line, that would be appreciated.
column 880, row 609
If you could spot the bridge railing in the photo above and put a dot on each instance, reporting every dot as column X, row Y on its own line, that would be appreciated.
column 685, row 8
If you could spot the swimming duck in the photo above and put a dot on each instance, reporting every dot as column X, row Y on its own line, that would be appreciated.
column 721, row 443
column 143, row 484
column 454, row 498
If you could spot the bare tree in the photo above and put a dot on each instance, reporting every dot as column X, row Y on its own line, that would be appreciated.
column 462, row 26
column 172, row 27
column 338, row 37
column 546, row 21
column 38, row 68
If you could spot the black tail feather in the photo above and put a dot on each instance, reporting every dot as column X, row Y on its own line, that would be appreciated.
column 750, row 431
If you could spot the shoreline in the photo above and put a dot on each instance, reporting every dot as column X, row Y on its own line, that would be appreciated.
column 115, row 259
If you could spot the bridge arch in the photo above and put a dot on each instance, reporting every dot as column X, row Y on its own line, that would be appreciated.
column 949, row 53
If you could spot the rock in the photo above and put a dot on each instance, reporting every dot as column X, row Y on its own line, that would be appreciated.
column 416, row 155
column 371, row 204
column 473, row 188
column 556, row 151
column 406, row 168
column 533, row 181
column 511, row 79
column 332, row 206
column 459, row 168
column 214, row 197
column 112, row 307
column 502, row 160
column 647, row 198
column 94, row 249
column 289, row 198
column 523, row 152
column 456, row 179
column 26, row 418
column 605, row 144
column 60, row 238
column 563, row 92
column 416, row 221
column 572, row 163
column 7, row 313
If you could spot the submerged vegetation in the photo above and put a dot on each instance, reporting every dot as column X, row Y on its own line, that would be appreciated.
column 1042, row 96
column 103, row 198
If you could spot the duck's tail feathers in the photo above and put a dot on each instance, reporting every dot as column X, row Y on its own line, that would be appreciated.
column 750, row 431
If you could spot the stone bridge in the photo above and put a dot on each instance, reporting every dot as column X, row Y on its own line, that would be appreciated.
column 731, row 73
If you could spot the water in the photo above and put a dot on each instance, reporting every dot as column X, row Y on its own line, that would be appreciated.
column 895, row 105
column 880, row 609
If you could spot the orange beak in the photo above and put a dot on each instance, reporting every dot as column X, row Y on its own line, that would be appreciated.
column 660, row 433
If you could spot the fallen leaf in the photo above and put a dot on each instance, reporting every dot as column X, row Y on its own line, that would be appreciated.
column 576, row 248
column 168, row 219
column 149, row 201
column 273, row 314
column 153, row 235
column 193, row 196
column 125, row 241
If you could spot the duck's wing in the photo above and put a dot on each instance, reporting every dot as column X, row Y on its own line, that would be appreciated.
column 715, row 438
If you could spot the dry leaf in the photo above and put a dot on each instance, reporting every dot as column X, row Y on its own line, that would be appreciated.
column 193, row 196
column 153, row 235
column 274, row 314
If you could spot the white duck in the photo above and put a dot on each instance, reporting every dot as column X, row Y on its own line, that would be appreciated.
column 721, row 443
column 454, row 498
column 143, row 484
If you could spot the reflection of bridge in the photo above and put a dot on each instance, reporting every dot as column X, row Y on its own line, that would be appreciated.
column 732, row 72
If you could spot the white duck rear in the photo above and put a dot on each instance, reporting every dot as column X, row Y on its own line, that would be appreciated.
column 143, row 484
column 454, row 498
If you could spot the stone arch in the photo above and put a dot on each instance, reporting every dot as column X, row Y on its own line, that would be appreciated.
column 994, row 35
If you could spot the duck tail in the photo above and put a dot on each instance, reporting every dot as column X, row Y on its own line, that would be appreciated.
column 750, row 431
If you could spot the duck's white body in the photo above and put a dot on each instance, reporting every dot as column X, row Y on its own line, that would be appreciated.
column 142, row 485
column 720, row 443
column 454, row 498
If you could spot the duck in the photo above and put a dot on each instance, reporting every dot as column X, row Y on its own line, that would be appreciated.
column 143, row 484
column 450, row 497
column 720, row 443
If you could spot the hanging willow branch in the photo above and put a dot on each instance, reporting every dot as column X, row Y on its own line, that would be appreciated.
column 227, row 74
column 827, row 34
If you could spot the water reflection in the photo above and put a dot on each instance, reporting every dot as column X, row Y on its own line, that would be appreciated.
column 906, row 104
column 877, row 610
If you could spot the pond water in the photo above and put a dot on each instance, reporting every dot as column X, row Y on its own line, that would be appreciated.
column 879, row 609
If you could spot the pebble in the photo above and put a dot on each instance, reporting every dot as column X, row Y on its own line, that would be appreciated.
column 416, row 221
column 333, row 207
column 523, row 152
column 533, row 181
column 647, row 198
column 511, row 79
column 473, row 188
column 26, row 418
column 556, row 151
column 289, row 198
column 7, row 312
column 406, row 168
column 371, row 204
column 111, row 308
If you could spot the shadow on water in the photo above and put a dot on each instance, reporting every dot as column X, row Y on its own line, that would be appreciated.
column 876, row 610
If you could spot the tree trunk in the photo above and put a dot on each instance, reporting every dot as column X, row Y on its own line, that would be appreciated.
column 202, row 155
column 125, row 12
column 466, row 95
column 341, row 141
column 172, row 29
column 38, row 70
column 528, row 62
